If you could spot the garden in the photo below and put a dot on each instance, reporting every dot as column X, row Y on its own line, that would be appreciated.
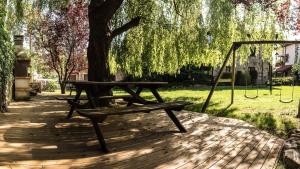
column 150, row 84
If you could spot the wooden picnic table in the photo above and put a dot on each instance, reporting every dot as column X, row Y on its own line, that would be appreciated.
column 135, row 97
column 128, row 87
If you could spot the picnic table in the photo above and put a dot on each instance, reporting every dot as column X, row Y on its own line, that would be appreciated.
column 97, row 115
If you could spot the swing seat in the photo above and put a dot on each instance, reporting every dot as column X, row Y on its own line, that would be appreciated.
column 286, row 101
column 248, row 97
column 292, row 97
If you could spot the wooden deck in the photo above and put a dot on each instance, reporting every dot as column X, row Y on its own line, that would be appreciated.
column 36, row 134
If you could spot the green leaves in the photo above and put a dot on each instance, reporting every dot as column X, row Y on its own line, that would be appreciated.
column 6, row 59
column 173, row 33
column 296, row 68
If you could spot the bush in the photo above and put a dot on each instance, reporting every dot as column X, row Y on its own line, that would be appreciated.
column 283, row 81
column 50, row 86
column 241, row 78
column 226, row 75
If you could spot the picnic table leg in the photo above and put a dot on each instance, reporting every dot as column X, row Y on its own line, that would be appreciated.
column 138, row 92
column 135, row 95
column 90, row 98
column 169, row 112
column 75, row 102
column 99, row 135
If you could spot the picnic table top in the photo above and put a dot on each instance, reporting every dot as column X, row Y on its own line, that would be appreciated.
column 113, row 83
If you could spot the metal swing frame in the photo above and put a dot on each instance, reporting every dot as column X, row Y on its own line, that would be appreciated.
column 232, row 53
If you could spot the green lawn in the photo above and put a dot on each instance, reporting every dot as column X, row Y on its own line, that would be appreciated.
column 266, row 112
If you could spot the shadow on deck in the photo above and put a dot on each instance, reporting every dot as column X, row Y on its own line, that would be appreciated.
column 36, row 134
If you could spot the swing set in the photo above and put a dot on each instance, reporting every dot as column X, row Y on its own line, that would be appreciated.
column 232, row 53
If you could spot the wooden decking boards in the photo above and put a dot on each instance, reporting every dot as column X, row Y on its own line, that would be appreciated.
column 36, row 134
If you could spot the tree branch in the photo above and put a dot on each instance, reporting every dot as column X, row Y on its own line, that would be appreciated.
column 133, row 23
column 94, row 4
column 176, row 8
column 111, row 6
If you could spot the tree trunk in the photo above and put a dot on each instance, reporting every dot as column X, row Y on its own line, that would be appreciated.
column 62, row 88
column 298, row 115
column 98, row 50
column 3, row 97
column 100, row 14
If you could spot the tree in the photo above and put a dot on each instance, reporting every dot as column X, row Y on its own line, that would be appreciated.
column 101, row 13
column 62, row 38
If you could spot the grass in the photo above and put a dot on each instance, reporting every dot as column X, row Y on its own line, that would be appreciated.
column 266, row 112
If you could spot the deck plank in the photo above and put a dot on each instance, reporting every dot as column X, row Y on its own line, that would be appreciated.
column 223, row 153
column 167, row 152
column 201, row 159
column 36, row 134
column 253, row 154
column 271, row 160
column 244, row 153
column 263, row 154
column 175, row 157
column 233, row 154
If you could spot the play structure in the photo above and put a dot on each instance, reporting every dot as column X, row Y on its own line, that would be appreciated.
column 232, row 54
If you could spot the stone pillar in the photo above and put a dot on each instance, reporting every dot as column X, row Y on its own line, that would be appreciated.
column 22, row 78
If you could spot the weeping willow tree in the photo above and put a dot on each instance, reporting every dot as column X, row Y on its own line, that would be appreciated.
column 259, row 23
column 173, row 34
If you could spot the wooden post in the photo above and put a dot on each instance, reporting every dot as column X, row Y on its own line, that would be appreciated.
column 212, row 76
column 233, row 75
column 214, row 85
column 270, row 78
column 298, row 115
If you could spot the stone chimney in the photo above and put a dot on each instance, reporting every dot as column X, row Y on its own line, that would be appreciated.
column 19, row 49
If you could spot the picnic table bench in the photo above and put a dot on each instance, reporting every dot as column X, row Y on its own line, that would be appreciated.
column 98, row 115
column 70, row 99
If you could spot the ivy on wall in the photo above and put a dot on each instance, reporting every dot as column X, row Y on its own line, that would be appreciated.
column 6, row 60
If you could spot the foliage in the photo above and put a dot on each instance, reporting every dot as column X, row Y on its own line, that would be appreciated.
column 296, row 68
column 242, row 77
column 14, row 13
column 6, row 59
column 188, row 75
column 49, row 86
column 61, row 38
column 173, row 35
column 283, row 81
